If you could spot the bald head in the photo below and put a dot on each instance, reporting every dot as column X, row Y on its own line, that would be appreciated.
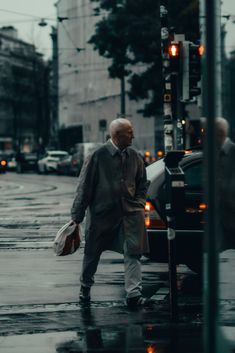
column 221, row 130
column 118, row 125
column 121, row 132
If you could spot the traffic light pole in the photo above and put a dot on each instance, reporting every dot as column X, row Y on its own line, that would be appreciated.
column 170, row 110
column 181, row 72
column 172, row 86
column 167, row 108
column 176, row 110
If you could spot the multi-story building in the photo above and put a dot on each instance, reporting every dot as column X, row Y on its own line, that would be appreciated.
column 88, row 98
column 24, row 106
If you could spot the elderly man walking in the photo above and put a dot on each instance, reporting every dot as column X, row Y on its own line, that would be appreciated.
column 112, row 188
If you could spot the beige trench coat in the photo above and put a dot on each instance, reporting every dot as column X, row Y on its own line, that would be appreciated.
column 113, row 192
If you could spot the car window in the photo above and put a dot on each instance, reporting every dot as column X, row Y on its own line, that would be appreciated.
column 30, row 156
column 58, row 155
column 194, row 176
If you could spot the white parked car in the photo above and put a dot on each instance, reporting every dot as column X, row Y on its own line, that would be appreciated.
column 48, row 163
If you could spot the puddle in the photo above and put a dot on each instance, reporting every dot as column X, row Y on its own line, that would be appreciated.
column 132, row 338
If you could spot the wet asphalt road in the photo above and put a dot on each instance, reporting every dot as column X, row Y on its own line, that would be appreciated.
column 39, row 292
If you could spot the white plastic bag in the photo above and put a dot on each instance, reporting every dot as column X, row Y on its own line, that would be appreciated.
column 68, row 239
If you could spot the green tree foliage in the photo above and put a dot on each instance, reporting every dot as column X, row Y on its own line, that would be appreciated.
column 184, row 17
column 129, row 34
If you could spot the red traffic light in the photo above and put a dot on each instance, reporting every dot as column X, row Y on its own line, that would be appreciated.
column 174, row 50
column 174, row 56
column 201, row 49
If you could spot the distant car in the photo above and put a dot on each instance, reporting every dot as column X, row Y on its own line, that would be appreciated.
column 189, row 231
column 26, row 161
column 64, row 166
column 48, row 163
column 82, row 150
column 3, row 164
column 11, row 162
column 76, row 163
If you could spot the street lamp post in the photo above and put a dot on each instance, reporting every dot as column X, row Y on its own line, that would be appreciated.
column 123, row 96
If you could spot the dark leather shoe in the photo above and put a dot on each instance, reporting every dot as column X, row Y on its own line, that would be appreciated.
column 138, row 302
column 84, row 295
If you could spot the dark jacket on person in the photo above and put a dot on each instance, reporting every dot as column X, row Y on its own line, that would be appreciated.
column 226, row 191
column 112, row 187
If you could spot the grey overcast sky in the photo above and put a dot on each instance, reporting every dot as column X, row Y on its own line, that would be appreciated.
column 25, row 15
column 29, row 12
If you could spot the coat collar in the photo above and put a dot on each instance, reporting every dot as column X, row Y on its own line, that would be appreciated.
column 113, row 149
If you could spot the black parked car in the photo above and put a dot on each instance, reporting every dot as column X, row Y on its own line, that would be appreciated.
column 189, row 232
column 26, row 161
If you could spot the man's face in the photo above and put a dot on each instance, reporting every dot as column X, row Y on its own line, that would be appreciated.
column 125, row 136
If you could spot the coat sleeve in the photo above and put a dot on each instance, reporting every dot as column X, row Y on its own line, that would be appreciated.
column 141, row 183
column 86, row 184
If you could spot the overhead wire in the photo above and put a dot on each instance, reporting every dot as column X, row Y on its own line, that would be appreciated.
column 36, row 18
column 225, row 15
column 25, row 14
column 71, row 39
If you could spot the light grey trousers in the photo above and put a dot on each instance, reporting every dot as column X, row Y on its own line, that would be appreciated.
column 132, row 275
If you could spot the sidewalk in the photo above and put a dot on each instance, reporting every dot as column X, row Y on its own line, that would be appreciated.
column 40, row 313
column 39, row 309
column 227, row 296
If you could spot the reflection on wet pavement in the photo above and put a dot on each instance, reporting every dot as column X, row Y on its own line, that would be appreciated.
column 126, row 339
column 190, row 284
column 134, row 338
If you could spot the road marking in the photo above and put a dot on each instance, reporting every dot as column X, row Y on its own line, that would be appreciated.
column 26, row 245
column 20, row 245
column 160, row 294
column 56, row 307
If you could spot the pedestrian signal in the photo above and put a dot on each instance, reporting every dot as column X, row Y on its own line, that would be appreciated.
column 174, row 56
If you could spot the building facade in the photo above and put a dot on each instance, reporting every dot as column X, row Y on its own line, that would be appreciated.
column 88, row 98
column 24, row 105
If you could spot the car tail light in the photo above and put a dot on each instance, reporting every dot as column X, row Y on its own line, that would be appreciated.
column 200, row 209
column 3, row 163
column 152, row 218
column 202, row 206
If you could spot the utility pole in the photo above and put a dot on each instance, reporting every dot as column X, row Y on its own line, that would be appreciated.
column 211, row 27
